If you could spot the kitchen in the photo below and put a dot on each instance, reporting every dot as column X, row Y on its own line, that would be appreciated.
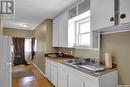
column 107, row 31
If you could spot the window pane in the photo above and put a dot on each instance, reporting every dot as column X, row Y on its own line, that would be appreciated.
column 85, row 27
column 27, row 45
column 84, row 6
column 73, row 12
column 84, row 39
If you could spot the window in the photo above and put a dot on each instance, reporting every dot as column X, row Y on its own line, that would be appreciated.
column 83, row 31
column 27, row 45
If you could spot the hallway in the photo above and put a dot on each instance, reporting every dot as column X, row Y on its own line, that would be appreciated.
column 37, row 80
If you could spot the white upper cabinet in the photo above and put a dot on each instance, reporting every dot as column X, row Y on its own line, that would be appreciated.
column 55, row 32
column 124, row 11
column 61, row 33
column 63, row 30
column 60, row 30
column 108, row 13
column 102, row 14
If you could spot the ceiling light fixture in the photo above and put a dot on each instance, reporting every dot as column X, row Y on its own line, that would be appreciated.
column 25, row 25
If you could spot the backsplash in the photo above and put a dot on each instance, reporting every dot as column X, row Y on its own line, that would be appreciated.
column 79, row 52
column 118, row 44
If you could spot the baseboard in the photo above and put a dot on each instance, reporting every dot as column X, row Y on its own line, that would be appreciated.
column 39, row 70
column 30, row 62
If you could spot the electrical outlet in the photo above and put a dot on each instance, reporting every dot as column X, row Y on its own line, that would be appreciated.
column 71, row 52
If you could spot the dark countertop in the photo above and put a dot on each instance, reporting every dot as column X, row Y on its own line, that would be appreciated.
column 95, row 74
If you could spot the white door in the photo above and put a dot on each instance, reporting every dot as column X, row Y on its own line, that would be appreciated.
column 62, row 77
column 102, row 12
column 48, row 70
column 124, row 11
column 74, row 81
column 5, row 62
column 54, row 74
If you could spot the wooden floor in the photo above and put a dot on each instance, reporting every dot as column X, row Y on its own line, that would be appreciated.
column 37, row 80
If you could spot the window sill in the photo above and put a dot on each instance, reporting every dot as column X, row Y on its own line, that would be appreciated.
column 85, row 47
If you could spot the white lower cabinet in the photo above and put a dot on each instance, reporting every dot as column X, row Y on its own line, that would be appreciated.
column 87, row 84
column 51, row 71
column 54, row 73
column 48, row 69
column 75, row 81
column 69, row 77
column 64, row 76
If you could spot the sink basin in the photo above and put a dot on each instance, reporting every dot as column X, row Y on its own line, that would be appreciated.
column 78, row 61
column 85, row 63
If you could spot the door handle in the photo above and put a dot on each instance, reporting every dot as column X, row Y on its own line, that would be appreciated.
column 112, row 19
column 122, row 16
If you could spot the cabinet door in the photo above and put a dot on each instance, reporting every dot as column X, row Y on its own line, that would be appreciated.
column 60, row 30
column 62, row 78
column 101, row 13
column 48, row 70
column 87, row 84
column 124, row 9
column 54, row 74
column 55, row 35
column 63, row 30
column 74, row 81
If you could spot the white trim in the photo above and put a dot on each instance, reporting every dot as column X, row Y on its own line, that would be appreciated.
column 112, row 32
column 78, row 22
column 41, row 72
column 30, row 62
column 86, row 47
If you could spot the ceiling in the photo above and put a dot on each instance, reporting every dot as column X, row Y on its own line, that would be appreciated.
column 33, row 12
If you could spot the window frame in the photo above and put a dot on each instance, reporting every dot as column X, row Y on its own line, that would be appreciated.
column 78, row 34
column 29, row 48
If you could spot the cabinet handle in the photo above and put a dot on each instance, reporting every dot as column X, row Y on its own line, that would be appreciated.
column 112, row 19
column 122, row 16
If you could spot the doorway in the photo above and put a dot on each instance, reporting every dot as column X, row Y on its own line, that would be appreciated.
column 23, row 51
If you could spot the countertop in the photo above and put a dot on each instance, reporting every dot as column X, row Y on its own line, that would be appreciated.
column 95, row 74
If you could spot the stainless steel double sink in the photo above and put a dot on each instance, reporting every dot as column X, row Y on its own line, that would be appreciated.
column 85, row 63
